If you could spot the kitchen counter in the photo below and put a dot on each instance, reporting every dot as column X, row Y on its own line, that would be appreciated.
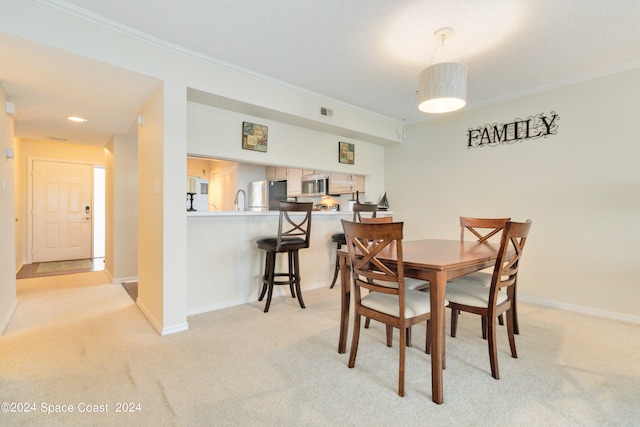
column 225, row 266
column 269, row 213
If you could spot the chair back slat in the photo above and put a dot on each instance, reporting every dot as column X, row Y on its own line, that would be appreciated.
column 378, row 220
column 294, row 226
column 512, row 244
column 359, row 208
column 482, row 228
column 365, row 242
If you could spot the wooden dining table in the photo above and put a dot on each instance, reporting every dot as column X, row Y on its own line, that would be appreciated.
column 434, row 260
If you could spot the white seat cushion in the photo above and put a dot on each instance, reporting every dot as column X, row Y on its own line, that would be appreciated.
column 415, row 303
column 471, row 294
column 416, row 284
column 478, row 279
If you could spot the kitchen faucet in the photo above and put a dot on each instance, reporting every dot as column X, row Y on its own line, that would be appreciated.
column 244, row 198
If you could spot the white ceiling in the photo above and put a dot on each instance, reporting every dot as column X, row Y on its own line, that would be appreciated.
column 366, row 53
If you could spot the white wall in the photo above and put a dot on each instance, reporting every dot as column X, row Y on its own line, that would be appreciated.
column 580, row 187
column 73, row 33
column 215, row 132
column 8, row 301
column 121, row 252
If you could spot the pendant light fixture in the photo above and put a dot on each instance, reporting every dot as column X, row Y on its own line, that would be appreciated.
column 443, row 86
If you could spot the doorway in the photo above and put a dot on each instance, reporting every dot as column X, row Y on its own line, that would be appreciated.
column 67, row 205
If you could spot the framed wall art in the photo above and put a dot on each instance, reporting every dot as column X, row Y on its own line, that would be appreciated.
column 346, row 152
column 254, row 137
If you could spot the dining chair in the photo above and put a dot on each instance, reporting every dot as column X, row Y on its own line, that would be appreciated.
column 483, row 229
column 498, row 298
column 409, row 283
column 294, row 233
column 338, row 238
column 388, row 300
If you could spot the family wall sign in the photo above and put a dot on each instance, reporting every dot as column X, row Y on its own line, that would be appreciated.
column 538, row 126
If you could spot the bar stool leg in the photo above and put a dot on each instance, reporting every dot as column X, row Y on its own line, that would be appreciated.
column 337, row 270
column 272, row 265
column 265, row 277
column 291, row 274
column 296, row 266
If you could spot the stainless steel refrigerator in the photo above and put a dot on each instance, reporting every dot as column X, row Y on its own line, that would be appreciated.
column 267, row 195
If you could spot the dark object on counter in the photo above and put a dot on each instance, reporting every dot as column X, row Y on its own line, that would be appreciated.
column 383, row 204
column 190, row 198
column 339, row 238
column 293, row 234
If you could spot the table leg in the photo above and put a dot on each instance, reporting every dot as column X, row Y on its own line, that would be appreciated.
column 345, row 291
column 437, row 292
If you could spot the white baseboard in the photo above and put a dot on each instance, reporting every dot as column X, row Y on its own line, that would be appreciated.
column 157, row 326
column 218, row 306
column 279, row 291
column 109, row 276
column 580, row 309
column 181, row 327
column 7, row 318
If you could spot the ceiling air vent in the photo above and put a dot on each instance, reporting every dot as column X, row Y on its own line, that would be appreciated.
column 324, row 111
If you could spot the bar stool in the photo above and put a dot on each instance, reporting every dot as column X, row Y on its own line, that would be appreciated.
column 339, row 238
column 294, row 233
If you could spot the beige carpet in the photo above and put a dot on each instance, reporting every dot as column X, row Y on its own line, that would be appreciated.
column 75, row 341
column 54, row 266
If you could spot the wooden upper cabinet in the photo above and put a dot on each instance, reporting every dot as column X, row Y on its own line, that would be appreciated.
column 340, row 183
column 358, row 183
column 294, row 182
column 276, row 173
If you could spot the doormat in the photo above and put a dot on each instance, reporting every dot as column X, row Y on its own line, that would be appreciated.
column 78, row 264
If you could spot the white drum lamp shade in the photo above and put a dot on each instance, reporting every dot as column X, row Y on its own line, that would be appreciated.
column 443, row 88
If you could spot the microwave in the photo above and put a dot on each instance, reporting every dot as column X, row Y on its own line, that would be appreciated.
column 315, row 185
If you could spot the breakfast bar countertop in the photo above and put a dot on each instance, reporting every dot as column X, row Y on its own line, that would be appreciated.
column 267, row 213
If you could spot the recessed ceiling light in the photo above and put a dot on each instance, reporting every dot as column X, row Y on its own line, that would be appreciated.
column 76, row 119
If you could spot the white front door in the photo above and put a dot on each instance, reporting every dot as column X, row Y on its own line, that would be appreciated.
column 62, row 211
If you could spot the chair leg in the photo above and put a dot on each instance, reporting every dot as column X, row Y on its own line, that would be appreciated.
column 454, row 321
column 354, row 340
column 493, row 348
column 367, row 323
column 516, row 328
column 389, row 329
column 401, row 368
column 484, row 327
column 296, row 266
column 409, row 336
column 511, row 323
column 427, row 344
column 501, row 320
